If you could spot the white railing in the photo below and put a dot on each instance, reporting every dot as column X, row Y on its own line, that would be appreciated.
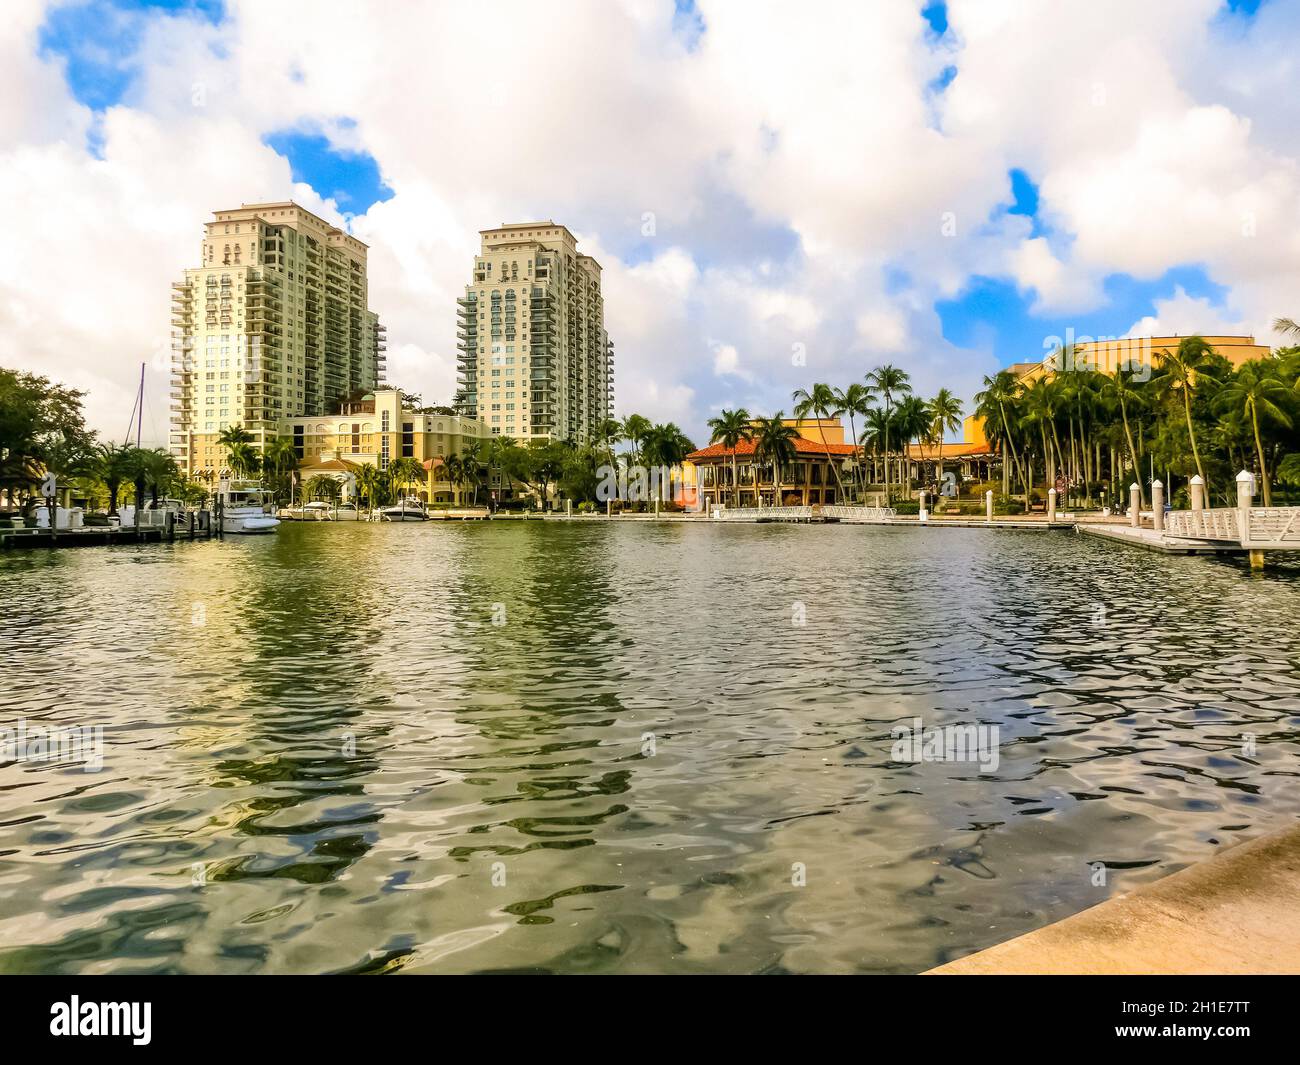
column 851, row 514
column 767, row 513
column 1273, row 527
column 1265, row 526
column 1215, row 523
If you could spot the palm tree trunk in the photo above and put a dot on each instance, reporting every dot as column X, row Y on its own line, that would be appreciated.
column 1259, row 450
column 1191, row 432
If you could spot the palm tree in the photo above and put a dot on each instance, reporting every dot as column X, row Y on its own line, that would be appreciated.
column 854, row 400
column 888, row 381
column 279, row 459
column 1287, row 327
column 498, row 447
column 369, row 480
column 1180, row 371
column 875, row 431
column 404, row 471
column 160, row 470
column 454, row 470
column 1254, row 390
column 822, row 402
column 911, row 421
column 1122, row 388
column 232, row 435
column 774, row 442
column 322, row 487
column 635, row 428
column 112, row 469
column 608, row 432
column 1000, row 392
column 471, row 466
column 244, row 460
column 729, row 428
column 945, row 417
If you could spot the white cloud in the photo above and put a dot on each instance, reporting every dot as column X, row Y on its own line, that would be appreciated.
column 798, row 167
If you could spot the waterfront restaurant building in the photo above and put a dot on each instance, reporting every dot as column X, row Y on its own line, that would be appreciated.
column 809, row 480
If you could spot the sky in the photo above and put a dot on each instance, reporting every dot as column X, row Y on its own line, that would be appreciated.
column 777, row 193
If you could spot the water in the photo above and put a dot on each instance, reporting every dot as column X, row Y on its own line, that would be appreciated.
column 324, row 754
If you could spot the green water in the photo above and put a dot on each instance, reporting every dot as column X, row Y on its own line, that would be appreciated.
column 581, row 747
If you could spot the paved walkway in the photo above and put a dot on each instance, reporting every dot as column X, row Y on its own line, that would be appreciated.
column 1234, row 913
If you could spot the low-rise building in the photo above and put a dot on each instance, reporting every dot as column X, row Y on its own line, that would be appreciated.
column 375, row 429
column 823, row 462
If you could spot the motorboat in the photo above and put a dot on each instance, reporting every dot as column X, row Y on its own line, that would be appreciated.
column 245, row 508
column 409, row 509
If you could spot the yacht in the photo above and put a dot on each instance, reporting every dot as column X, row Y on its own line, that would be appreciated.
column 245, row 508
column 409, row 509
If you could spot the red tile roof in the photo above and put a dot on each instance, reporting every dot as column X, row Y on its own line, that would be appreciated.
column 746, row 448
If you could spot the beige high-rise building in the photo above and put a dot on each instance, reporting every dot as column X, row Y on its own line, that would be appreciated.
column 274, row 322
column 535, row 361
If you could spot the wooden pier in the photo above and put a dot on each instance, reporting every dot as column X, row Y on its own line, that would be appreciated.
column 160, row 526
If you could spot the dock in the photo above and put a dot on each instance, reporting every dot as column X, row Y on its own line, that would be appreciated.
column 98, row 536
column 1232, row 914
column 1152, row 540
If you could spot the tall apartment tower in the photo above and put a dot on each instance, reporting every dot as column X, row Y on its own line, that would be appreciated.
column 273, row 323
column 535, row 361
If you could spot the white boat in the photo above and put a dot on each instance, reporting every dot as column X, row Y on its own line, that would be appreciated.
column 346, row 512
column 409, row 509
column 245, row 508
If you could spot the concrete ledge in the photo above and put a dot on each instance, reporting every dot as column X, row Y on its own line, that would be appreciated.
column 1234, row 913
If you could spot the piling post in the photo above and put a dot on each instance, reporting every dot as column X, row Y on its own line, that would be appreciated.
column 1135, row 505
column 922, row 513
column 568, row 508
column 1245, row 493
column 1196, row 487
column 988, row 505
column 1051, row 506
column 1158, row 506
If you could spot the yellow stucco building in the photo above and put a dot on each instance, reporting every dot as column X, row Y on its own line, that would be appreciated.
column 377, row 429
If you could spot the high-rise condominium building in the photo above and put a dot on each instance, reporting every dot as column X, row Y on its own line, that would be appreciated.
column 535, row 360
column 273, row 322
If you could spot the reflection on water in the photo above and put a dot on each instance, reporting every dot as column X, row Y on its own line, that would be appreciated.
column 610, row 748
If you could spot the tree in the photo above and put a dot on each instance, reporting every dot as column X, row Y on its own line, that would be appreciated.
column 729, row 428
column 1255, row 391
column 1123, row 389
column 279, row 459
column 821, row 402
column 774, row 442
column 666, row 445
column 888, row 381
column 1180, row 371
column 453, row 469
column 403, row 472
column 945, row 417
column 911, row 421
column 36, row 418
column 635, row 428
column 244, row 461
column 1000, row 393
column 369, row 482
column 854, row 400
column 112, row 469
column 322, row 487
